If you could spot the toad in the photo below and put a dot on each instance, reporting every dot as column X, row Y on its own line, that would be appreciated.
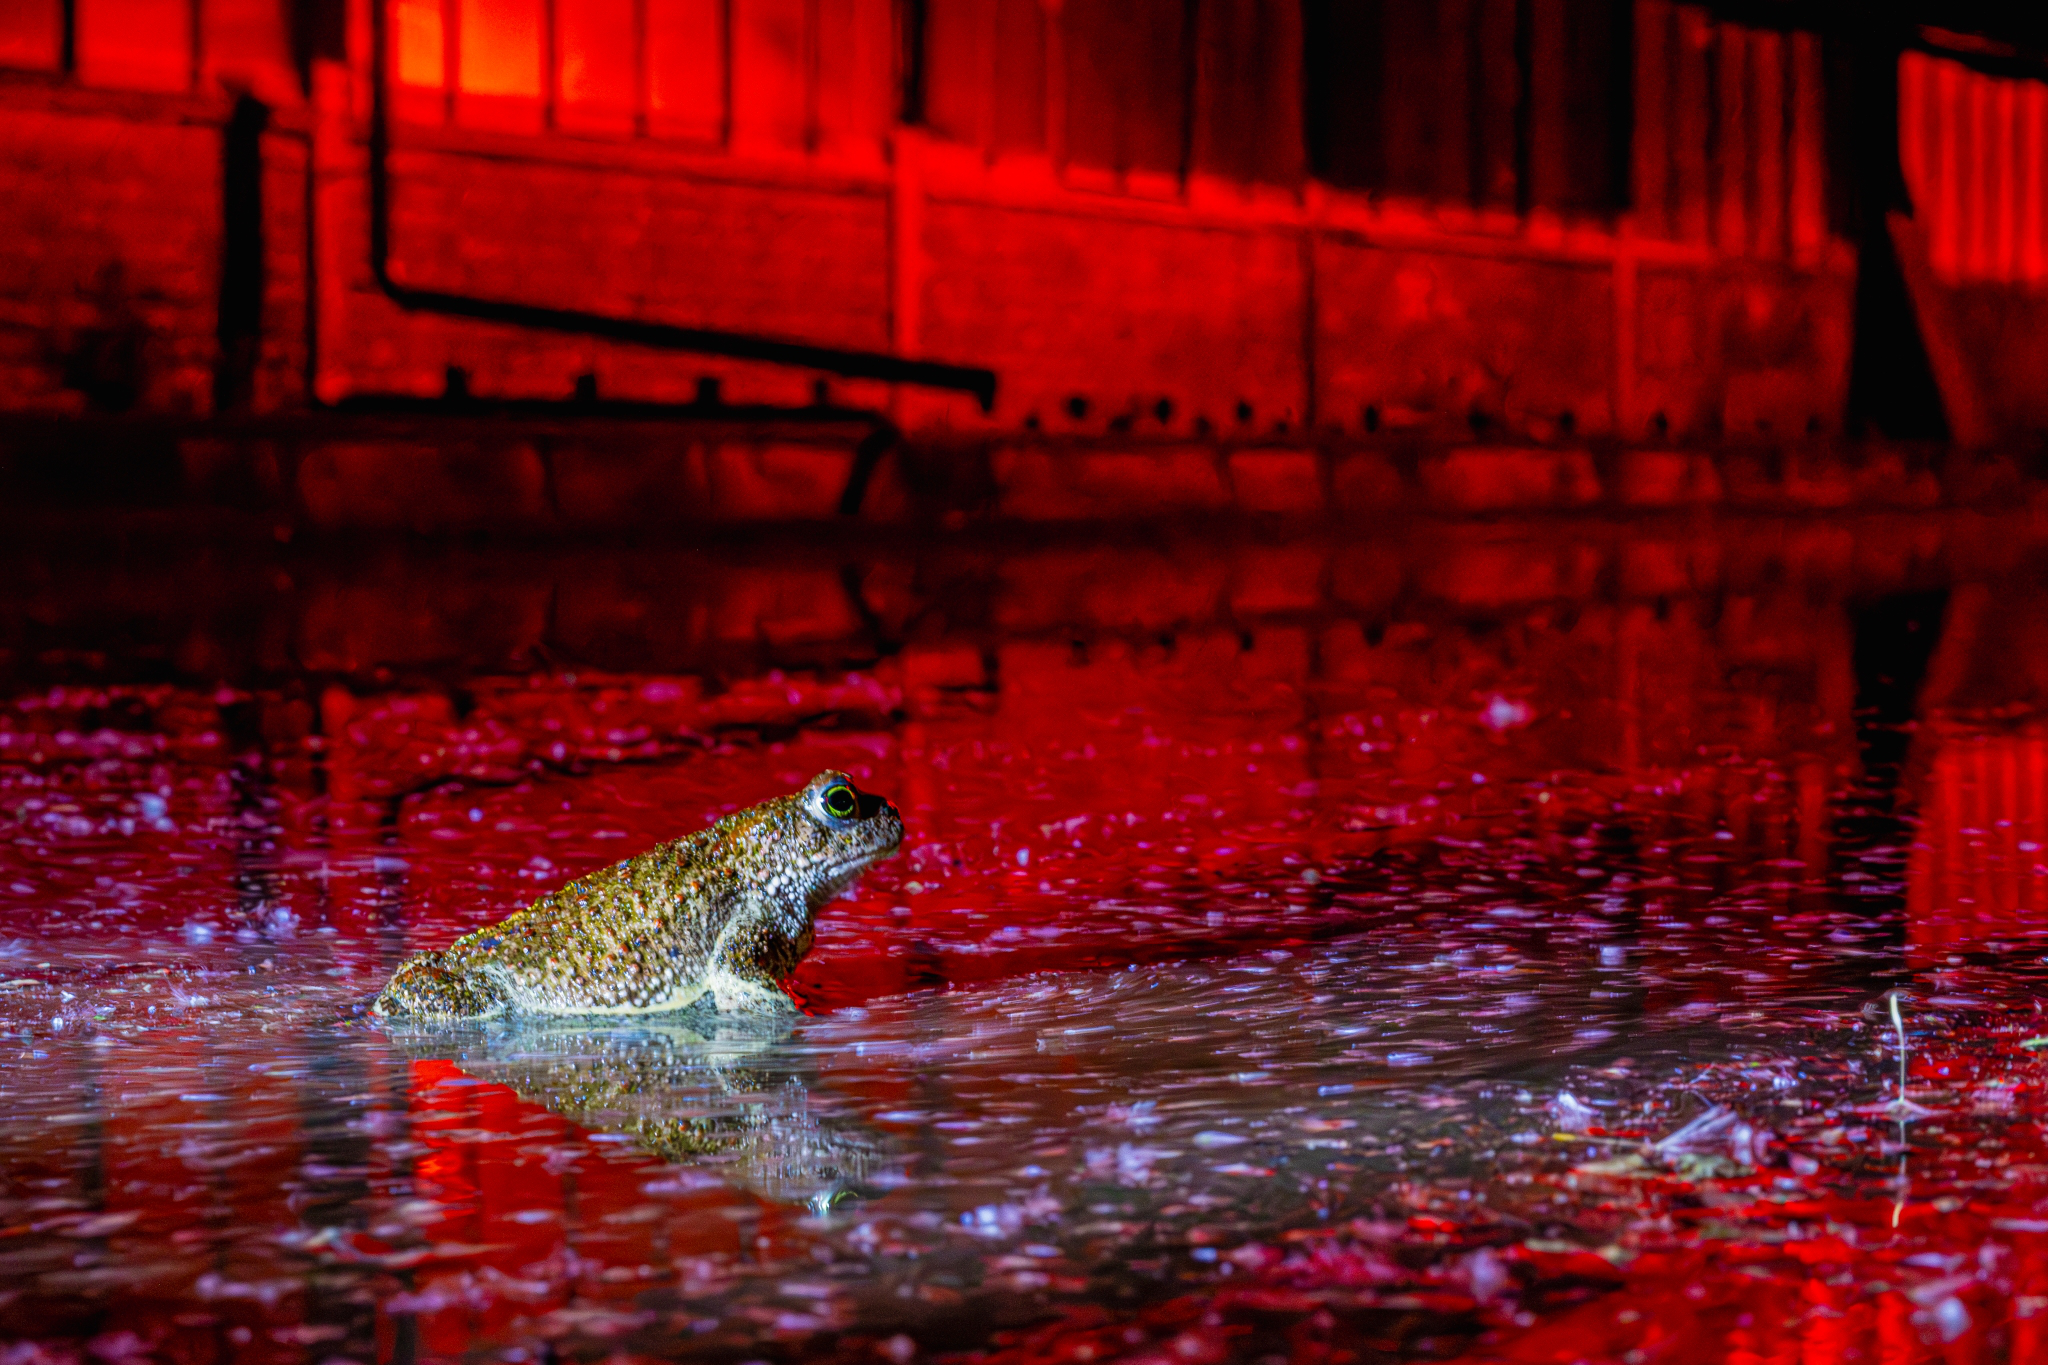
column 726, row 912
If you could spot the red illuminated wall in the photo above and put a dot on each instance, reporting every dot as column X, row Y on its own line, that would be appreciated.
column 1173, row 219
column 1974, row 148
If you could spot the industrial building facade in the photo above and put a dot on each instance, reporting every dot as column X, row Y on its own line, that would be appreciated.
column 1544, row 218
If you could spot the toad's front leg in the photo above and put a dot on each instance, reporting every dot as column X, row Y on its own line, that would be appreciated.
column 738, row 995
column 755, row 954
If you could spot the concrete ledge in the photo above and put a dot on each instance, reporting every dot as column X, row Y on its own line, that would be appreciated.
column 785, row 482
column 598, row 486
column 1488, row 479
column 227, row 599
column 1365, row 481
column 1038, row 483
column 1665, row 478
column 1276, row 481
column 407, row 486
column 447, row 474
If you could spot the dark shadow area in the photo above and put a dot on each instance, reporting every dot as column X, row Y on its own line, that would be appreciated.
column 1892, row 390
column 241, row 257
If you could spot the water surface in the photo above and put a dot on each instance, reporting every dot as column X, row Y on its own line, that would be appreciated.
column 1481, row 946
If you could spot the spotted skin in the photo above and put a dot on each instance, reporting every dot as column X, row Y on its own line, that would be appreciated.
column 726, row 912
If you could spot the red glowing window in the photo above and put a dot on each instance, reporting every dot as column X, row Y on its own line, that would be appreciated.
column 597, row 77
column 418, row 33
column 686, row 68
column 31, row 34
column 135, row 44
column 617, row 65
column 500, row 48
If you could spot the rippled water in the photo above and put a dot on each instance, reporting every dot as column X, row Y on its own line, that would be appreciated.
column 1501, row 963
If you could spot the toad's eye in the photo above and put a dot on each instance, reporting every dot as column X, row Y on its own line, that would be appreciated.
column 839, row 801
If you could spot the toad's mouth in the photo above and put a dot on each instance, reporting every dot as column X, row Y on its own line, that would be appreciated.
column 853, row 865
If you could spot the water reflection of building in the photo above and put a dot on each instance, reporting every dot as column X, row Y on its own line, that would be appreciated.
column 1978, row 778
column 1979, row 867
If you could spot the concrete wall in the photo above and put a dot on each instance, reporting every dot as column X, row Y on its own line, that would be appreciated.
column 1112, row 292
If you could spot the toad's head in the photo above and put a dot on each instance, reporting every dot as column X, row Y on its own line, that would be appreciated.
column 814, row 842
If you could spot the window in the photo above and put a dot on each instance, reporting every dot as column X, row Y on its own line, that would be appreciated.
column 685, row 56
column 598, row 81
column 592, row 66
column 1131, row 94
column 1730, row 142
column 1511, row 103
column 32, row 35
column 135, row 44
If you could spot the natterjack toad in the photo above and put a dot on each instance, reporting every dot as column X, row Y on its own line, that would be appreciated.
column 726, row 912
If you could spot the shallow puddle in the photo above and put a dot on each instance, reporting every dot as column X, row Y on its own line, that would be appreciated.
column 1539, row 953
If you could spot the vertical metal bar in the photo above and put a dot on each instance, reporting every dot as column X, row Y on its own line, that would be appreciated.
column 726, row 73
column 1619, row 192
column 2033, row 150
column 1767, row 141
column 1475, row 109
column 380, row 135
column 1913, row 125
column 451, row 56
column 912, row 60
column 643, row 76
column 1191, row 84
column 1692, row 123
column 1626, row 285
column 1311, row 328
column 1525, row 141
column 1553, row 183
column 1939, row 205
column 1732, row 161
column 550, row 64
column 67, row 37
column 1971, row 195
column 1055, row 84
column 814, row 75
column 1808, row 160
column 2005, row 203
column 194, row 22
column 1651, row 134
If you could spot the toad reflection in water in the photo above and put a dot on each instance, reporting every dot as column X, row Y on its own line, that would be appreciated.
column 727, row 912
column 681, row 1095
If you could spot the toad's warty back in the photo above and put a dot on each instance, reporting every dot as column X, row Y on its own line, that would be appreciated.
column 726, row 911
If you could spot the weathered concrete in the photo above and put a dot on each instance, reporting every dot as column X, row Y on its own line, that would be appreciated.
column 435, row 475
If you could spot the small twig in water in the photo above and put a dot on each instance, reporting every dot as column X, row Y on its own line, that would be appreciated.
column 1902, row 1108
column 1899, row 1025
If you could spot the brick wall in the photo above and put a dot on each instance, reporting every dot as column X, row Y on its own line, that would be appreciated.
column 1094, row 321
column 632, row 240
column 109, row 282
column 1424, row 338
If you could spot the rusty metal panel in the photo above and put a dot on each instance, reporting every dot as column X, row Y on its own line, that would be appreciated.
column 1972, row 146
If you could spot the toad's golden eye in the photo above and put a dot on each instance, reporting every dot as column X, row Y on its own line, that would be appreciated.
column 839, row 801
